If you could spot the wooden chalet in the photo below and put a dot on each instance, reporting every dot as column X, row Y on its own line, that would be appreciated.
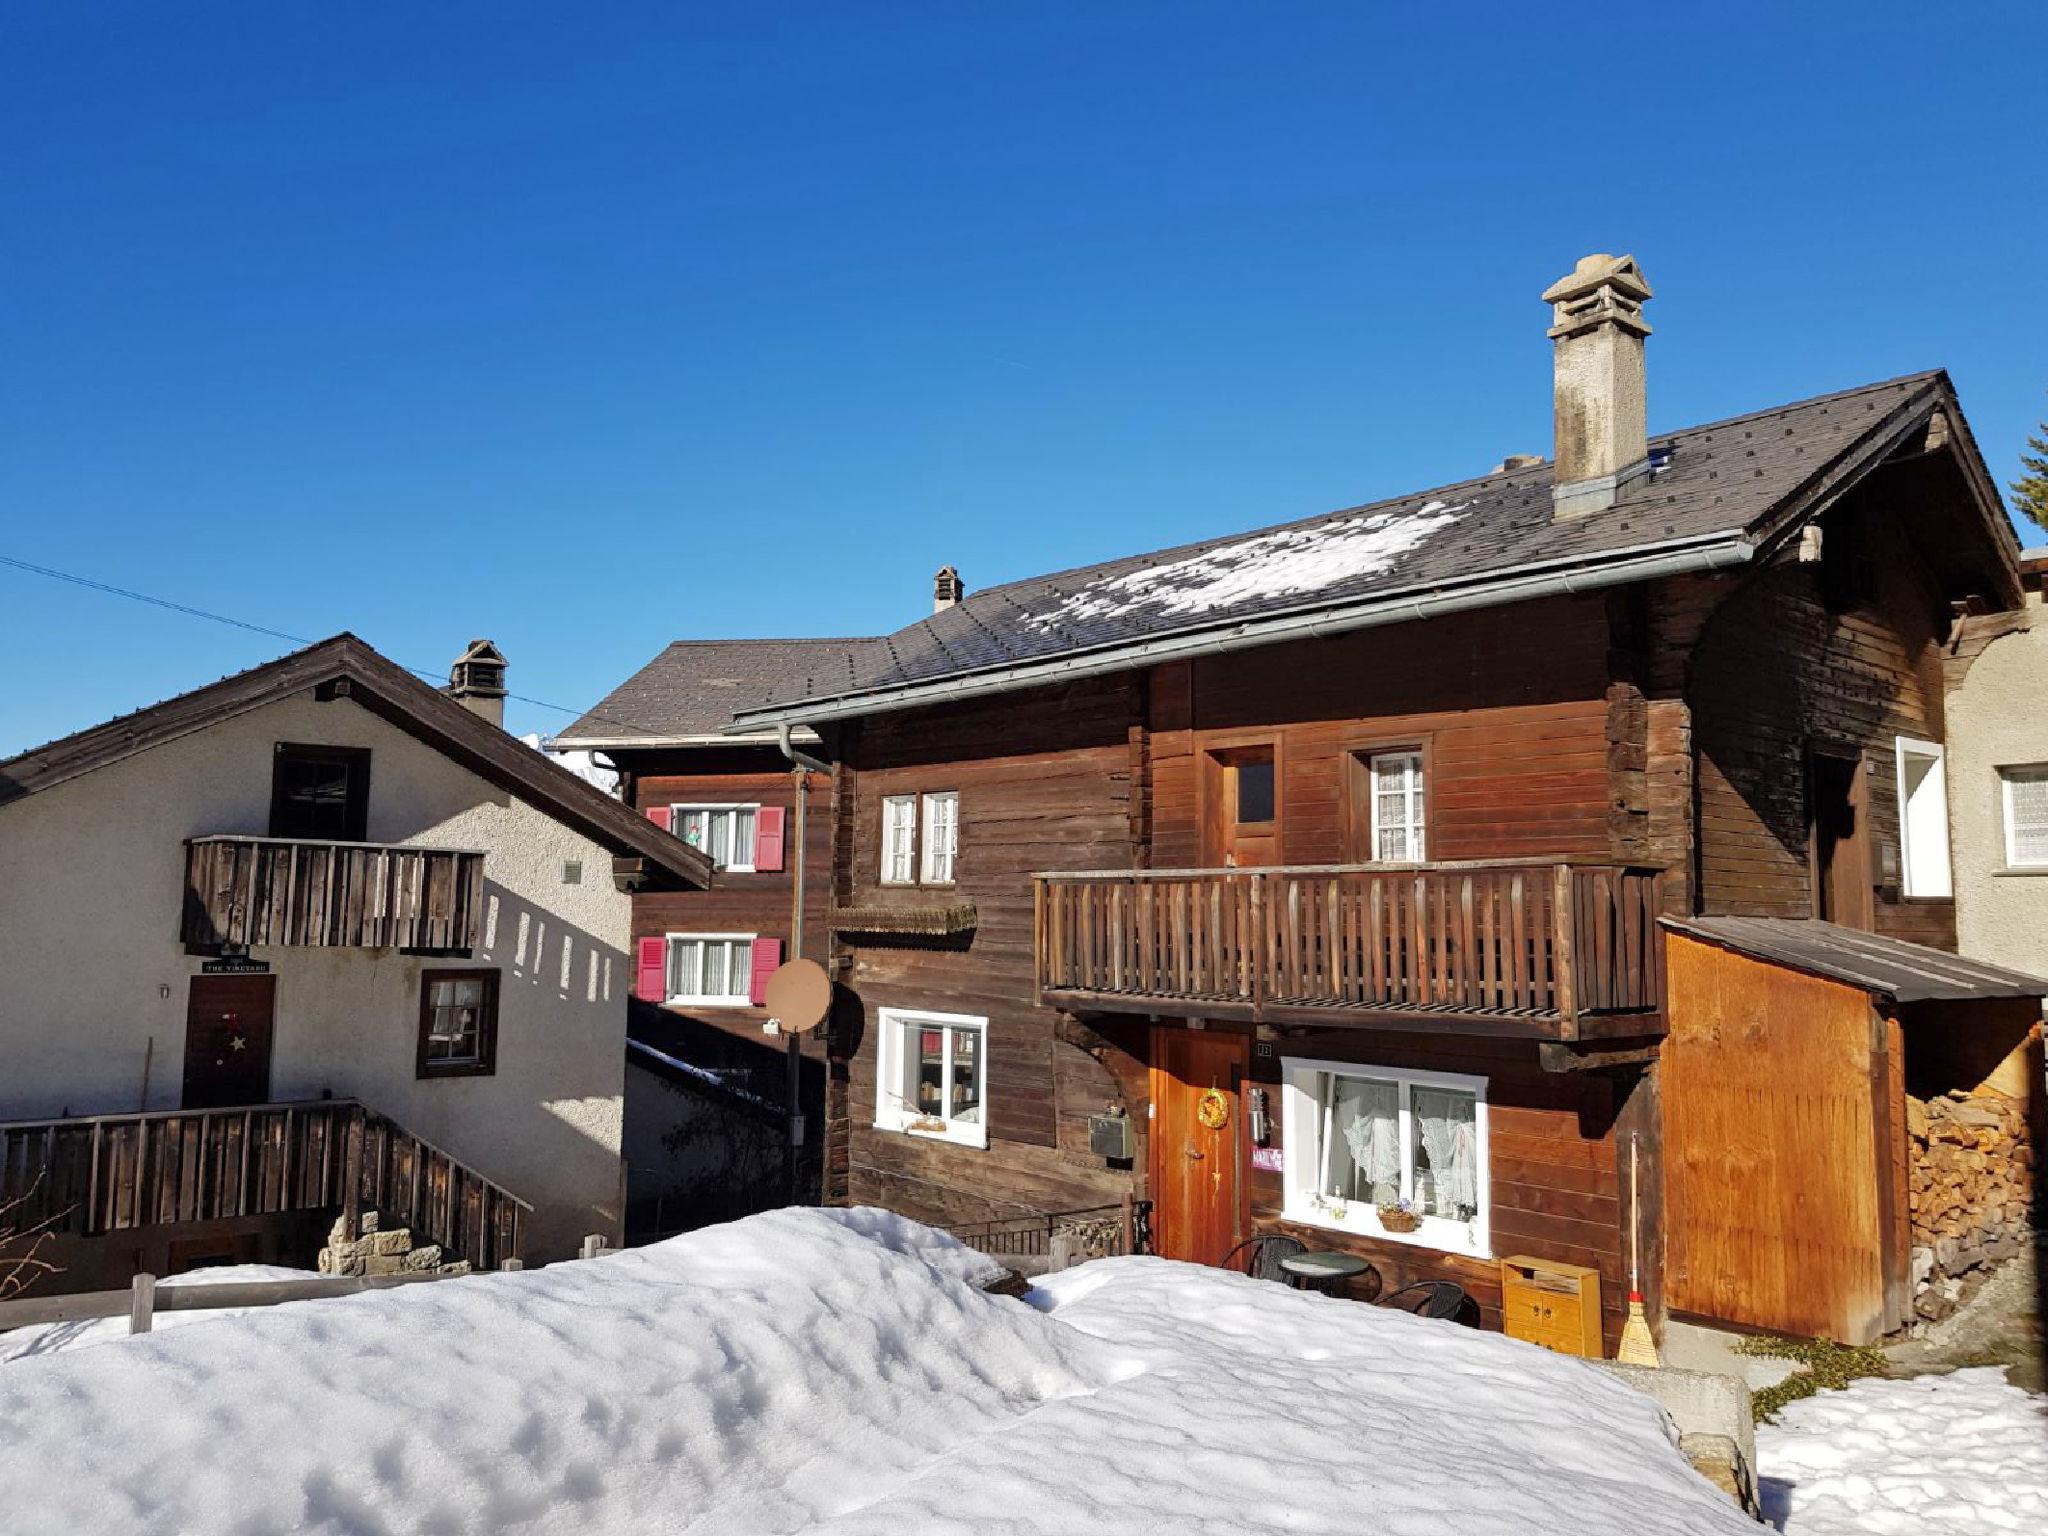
column 1288, row 878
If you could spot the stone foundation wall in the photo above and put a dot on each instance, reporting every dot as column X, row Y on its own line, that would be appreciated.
column 373, row 1250
column 1972, row 1186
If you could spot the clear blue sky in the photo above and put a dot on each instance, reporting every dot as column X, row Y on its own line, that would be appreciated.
column 589, row 327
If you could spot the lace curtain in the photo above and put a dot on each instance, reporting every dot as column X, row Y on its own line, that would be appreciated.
column 1446, row 1124
column 1366, row 1118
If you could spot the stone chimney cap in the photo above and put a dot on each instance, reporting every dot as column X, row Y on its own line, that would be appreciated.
column 947, row 588
column 1516, row 461
column 1601, row 289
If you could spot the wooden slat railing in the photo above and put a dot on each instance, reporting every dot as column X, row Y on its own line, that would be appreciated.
column 106, row 1173
column 1531, row 940
column 250, row 891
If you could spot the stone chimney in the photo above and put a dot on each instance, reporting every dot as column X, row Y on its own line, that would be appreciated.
column 1603, row 431
column 947, row 589
column 478, row 680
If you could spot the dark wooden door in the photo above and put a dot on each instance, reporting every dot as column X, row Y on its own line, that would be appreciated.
column 227, row 1040
column 1196, row 1180
column 1241, row 807
column 1842, row 876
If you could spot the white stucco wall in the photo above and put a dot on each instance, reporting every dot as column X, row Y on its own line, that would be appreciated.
column 92, row 972
column 1998, row 718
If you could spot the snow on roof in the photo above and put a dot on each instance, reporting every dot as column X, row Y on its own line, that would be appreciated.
column 836, row 1372
column 1280, row 563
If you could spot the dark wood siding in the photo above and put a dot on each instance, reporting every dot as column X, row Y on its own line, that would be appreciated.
column 1779, row 670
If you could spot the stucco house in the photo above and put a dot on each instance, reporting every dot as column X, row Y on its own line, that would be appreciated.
column 1998, row 779
column 314, row 931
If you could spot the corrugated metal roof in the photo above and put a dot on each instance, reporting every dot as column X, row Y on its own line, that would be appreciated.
column 1892, row 968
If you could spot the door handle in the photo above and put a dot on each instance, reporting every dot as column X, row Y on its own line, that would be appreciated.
column 1194, row 1153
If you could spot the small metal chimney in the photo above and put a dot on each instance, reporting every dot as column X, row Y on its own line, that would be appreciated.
column 477, row 680
column 947, row 589
column 1603, row 433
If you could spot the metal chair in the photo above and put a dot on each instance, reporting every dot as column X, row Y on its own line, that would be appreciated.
column 1443, row 1300
column 1260, row 1257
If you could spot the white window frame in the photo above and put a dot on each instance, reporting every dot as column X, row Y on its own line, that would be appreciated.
column 1301, row 1133
column 1927, row 875
column 744, row 998
column 929, row 841
column 1414, row 798
column 895, row 857
column 891, row 1113
column 2006, row 775
column 681, row 808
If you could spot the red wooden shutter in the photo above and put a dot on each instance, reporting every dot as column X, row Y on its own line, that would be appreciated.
column 658, row 814
column 768, row 838
column 650, row 982
column 766, row 957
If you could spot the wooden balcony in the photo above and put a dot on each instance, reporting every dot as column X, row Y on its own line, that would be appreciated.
column 247, row 891
column 1544, row 950
column 91, row 1176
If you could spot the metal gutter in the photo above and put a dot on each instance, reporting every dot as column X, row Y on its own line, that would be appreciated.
column 764, row 738
column 1709, row 552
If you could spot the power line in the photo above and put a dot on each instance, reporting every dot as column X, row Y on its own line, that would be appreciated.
column 430, row 674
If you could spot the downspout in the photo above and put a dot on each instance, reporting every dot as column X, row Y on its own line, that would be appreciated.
column 801, row 767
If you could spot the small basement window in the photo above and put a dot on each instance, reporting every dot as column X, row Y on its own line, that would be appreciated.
column 931, row 1075
column 458, row 1023
column 2025, row 793
column 1923, row 819
column 1359, row 1138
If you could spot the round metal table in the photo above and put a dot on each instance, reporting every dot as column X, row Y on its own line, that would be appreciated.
column 1329, row 1273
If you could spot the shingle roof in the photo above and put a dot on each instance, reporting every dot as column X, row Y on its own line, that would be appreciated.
column 693, row 688
column 1905, row 973
column 1724, row 479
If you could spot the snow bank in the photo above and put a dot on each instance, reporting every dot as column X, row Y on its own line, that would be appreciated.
column 1285, row 562
column 53, row 1338
column 835, row 1372
column 1961, row 1454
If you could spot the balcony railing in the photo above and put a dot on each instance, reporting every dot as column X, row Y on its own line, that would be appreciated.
column 107, row 1173
column 248, row 891
column 1553, row 950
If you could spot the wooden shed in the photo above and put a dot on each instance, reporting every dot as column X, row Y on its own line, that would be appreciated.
column 1844, row 1123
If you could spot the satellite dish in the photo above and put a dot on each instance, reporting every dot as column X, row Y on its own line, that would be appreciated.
column 799, row 995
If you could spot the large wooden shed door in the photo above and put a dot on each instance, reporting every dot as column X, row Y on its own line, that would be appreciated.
column 1774, row 1216
column 1195, row 1148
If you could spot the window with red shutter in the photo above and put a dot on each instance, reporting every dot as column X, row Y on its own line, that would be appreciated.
column 650, row 981
column 658, row 814
column 767, row 957
column 768, row 838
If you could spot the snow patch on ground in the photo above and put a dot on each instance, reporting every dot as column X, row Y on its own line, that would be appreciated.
column 1961, row 1454
column 53, row 1338
column 834, row 1372
column 1286, row 562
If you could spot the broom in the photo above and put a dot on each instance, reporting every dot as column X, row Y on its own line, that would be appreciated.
column 1637, row 1347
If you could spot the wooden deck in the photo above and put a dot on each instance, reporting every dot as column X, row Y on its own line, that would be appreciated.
column 1546, row 950
column 106, row 1173
column 247, row 891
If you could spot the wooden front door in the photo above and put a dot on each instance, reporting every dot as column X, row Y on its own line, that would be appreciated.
column 1839, row 796
column 1241, row 807
column 227, row 1040
column 1196, row 1180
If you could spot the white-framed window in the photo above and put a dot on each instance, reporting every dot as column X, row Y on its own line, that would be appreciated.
column 1923, row 819
column 940, row 838
column 1359, row 1138
column 2025, row 794
column 899, row 839
column 1397, row 832
column 713, row 970
column 920, row 838
column 931, row 1075
column 725, row 833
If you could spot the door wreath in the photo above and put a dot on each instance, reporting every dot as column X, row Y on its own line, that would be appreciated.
column 1213, row 1110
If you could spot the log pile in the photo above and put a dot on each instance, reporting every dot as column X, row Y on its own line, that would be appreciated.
column 1971, row 1193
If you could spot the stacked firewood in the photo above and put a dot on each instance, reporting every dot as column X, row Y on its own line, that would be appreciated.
column 1971, row 1193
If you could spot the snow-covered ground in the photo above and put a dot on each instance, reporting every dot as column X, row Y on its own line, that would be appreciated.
column 834, row 1372
column 1958, row 1455
column 52, row 1338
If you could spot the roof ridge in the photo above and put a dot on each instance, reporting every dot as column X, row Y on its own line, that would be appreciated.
column 775, row 640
